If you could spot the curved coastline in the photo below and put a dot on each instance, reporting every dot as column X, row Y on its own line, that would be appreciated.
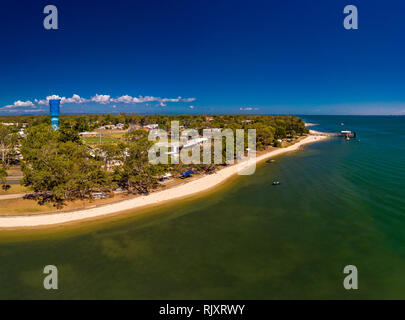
column 184, row 190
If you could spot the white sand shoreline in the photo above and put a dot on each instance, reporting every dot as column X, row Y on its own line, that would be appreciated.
column 310, row 124
column 184, row 190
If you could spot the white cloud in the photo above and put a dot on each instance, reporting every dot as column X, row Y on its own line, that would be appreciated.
column 141, row 99
column 171, row 99
column 191, row 107
column 125, row 99
column 188, row 100
column 43, row 102
column 248, row 108
column 101, row 98
column 20, row 103
column 53, row 97
column 178, row 99
column 74, row 99
column 98, row 98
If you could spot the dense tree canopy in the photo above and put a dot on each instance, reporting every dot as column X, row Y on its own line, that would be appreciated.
column 59, row 170
column 8, row 143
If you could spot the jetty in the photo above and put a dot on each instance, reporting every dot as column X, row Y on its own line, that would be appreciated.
column 344, row 133
column 327, row 134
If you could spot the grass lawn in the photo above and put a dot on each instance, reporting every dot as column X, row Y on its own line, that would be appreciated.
column 14, row 171
column 15, row 188
column 21, row 206
column 105, row 138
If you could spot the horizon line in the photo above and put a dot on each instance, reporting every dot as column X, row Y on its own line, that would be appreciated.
column 229, row 113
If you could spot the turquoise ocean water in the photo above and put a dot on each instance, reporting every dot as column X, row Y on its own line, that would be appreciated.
column 340, row 203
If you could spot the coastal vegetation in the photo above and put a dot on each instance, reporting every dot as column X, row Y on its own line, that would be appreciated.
column 64, row 165
column 58, row 167
column 3, row 175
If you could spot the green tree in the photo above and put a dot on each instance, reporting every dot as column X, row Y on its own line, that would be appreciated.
column 68, row 134
column 137, row 174
column 59, row 171
column 8, row 144
column 3, row 176
column 111, row 152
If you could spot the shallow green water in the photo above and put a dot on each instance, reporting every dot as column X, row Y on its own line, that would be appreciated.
column 340, row 203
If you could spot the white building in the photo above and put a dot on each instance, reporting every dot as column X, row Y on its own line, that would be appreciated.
column 151, row 126
column 88, row 134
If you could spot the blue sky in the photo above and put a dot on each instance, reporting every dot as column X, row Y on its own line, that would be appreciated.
column 182, row 56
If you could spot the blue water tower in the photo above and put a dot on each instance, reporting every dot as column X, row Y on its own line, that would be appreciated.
column 54, row 110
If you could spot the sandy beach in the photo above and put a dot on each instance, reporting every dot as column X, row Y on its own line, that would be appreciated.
column 309, row 124
column 160, row 197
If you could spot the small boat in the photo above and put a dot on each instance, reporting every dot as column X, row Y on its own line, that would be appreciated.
column 270, row 160
column 276, row 183
column 342, row 124
column 347, row 138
